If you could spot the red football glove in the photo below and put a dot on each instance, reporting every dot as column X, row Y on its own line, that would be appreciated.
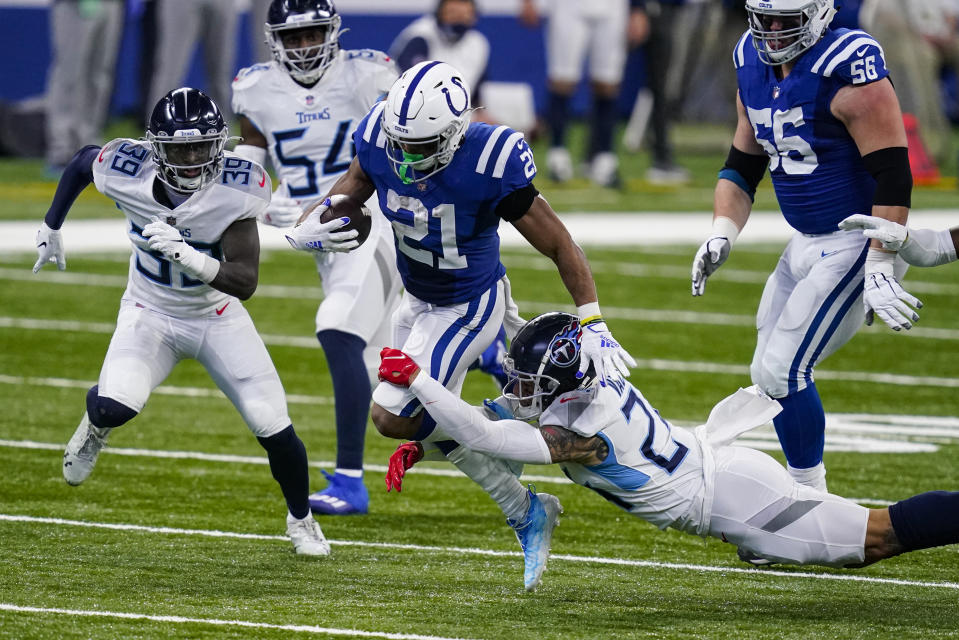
column 396, row 367
column 405, row 456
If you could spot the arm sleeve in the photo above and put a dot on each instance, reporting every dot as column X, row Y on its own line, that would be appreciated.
column 76, row 176
column 506, row 439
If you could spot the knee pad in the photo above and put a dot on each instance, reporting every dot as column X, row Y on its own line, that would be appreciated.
column 107, row 413
column 771, row 376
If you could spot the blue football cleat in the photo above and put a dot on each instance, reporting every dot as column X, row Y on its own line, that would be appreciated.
column 344, row 496
column 491, row 360
column 534, row 533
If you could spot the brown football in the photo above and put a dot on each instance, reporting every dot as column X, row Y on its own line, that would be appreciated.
column 343, row 206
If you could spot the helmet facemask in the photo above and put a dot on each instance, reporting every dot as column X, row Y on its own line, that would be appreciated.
column 800, row 27
column 188, row 160
column 306, row 64
column 528, row 394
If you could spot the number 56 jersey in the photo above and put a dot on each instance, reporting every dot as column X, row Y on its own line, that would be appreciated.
column 125, row 172
column 816, row 168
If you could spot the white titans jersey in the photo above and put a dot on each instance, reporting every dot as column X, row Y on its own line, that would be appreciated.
column 654, row 470
column 309, row 131
column 124, row 172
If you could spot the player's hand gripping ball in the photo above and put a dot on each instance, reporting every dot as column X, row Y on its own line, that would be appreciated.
column 343, row 206
column 338, row 224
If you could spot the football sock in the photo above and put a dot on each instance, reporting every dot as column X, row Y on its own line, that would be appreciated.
column 814, row 476
column 557, row 115
column 351, row 392
column 106, row 413
column 290, row 469
column 601, row 129
column 496, row 479
column 801, row 427
column 927, row 520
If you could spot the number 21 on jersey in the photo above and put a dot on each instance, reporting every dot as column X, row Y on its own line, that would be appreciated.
column 419, row 229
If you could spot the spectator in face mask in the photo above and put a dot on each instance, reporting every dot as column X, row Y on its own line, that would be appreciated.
column 448, row 35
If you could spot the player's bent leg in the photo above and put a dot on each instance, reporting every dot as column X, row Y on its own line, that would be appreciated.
column 393, row 426
column 758, row 507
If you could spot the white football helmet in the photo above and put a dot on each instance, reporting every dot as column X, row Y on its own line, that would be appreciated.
column 425, row 118
column 801, row 23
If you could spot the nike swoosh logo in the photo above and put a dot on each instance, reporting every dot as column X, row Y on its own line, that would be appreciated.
column 263, row 181
column 862, row 51
column 220, row 311
column 823, row 254
column 100, row 158
column 564, row 400
column 42, row 244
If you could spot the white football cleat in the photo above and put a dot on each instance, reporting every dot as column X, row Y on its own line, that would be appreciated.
column 559, row 164
column 82, row 451
column 307, row 537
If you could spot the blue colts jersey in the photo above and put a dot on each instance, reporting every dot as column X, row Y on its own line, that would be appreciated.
column 445, row 228
column 815, row 165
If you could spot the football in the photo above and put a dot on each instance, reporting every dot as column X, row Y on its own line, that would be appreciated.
column 343, row 206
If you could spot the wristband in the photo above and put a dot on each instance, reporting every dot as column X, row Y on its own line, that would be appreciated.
column 589, row 313
column 725, row 228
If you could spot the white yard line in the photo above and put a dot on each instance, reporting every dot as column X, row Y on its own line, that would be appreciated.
column 165, row 619
column 490, row 552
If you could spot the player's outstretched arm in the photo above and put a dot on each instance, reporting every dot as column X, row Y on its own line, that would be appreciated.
column 76, row 176
column 918, row 247
column 871, row 115
column 543, row 229
column 732, row 200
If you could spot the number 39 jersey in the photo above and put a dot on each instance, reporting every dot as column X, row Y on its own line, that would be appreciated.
column 308, row 129
column 125, row 172
column 654, row 470
column 816, row 168
column 445, row 227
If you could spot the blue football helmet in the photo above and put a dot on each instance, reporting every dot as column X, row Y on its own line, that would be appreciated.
column 542, row 363
column 310, row 52
column 188, row 136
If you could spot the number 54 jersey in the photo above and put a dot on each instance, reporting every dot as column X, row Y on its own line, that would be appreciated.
column 816, row 168
column 125, row 172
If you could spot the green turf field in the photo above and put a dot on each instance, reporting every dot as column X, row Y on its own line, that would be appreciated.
column 159, row 544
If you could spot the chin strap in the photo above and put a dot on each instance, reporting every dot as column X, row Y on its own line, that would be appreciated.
column 409, row 159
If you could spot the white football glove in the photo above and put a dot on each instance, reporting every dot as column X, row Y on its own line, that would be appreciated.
column 49, row 248
column 168, row 241
column 600, row 348
column 711, row 255
column 891, row 234
column 283, row 211
column 919, row 247
column 313, row 235
column 883, row 295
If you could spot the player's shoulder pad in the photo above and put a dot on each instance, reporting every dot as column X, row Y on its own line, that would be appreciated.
column 851, row 55
column 246, row 176
column 123, row 158
column 577, row 411
column 249, row 76
column 494, row 146
column 369, row 56
column 744, row 50
column 368, row 131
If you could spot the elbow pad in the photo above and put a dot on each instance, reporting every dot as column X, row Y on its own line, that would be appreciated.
column 890, row 168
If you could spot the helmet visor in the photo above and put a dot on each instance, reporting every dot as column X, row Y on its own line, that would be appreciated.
column 527, row 393
column 189, row 162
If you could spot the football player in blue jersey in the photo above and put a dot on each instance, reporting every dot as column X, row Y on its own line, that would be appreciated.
column 444, row 184
column 817, row 108
column 612, row 440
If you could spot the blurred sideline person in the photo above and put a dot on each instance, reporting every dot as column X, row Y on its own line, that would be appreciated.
column 85, row 36
column 817, row 108
column 599, row 29
column 302, row 108
column 181, row 26
column 918, row 247
column 191, row 213
column 449, row 35
column 445, row 184
column 611, row 440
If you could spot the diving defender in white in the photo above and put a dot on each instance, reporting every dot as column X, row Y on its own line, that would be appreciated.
column 191, row 212
column 611, row 440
